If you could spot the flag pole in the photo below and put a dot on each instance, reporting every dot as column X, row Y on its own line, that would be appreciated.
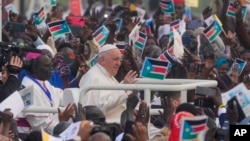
column 224, row 32
column 187, row 50
column 218, row 20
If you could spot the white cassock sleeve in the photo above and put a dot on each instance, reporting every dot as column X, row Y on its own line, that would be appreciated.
column 107, row 100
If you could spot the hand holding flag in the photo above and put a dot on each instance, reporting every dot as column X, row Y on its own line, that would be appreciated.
column 149, row 27
column 167, row 7
column 53, row 2
column 193, row 128
column 101, row 35
column 58, row 28
column 213, row 31
column 39, row 17
column 154, row 68
column 232, row 9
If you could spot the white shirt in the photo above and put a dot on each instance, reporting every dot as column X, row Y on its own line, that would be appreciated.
column 47, row 121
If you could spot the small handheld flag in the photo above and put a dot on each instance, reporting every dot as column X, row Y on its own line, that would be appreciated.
column 141, row 41
column 163, row 56
column 39, row 17
column 231, row 12
column 101, row 35
column 244, row 12
column 154, row 68
column 193, row 128
column 10, row 7
column 118, row 25
column 175, row 25
column 167, row 7
column 93, row 61
column 213, row 31
column 58, row 28
column 121, row 45
column 53, row 2
column 149, row 27
column 134, row 34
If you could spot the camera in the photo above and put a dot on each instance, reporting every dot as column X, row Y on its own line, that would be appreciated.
column 101, row 128
column 7, row 49
column 111, row 129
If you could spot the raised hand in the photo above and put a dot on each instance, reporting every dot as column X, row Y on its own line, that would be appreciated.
column 130, row 77
column 132, row 24
column 168, row 110
column 143, row 114
column 15, row 65
column 132, row 101
column 140, row 133
column 192, row 72
column 85, row 130
column 80, row 113
column 67, row 113
column 112, row 28
column 85, row 33
column 31, row 30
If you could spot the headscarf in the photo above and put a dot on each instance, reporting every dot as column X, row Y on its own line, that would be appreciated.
column 221, row 61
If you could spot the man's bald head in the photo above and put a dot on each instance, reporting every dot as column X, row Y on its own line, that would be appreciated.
column 100, row 137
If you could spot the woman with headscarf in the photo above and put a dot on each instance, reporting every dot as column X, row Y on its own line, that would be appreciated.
column 222, row 65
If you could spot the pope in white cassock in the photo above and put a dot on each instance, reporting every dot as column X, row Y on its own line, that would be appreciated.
column 111, row 102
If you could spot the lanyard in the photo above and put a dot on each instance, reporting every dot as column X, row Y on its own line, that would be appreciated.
column 45, row 90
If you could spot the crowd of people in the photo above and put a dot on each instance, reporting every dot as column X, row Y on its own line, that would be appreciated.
column 122, row 115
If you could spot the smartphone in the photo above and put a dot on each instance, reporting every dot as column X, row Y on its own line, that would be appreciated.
column 76, row 21
column 241, row 63
column 205, row 91
column 18, row 27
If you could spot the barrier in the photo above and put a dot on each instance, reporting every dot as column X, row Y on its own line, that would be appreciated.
column 145, row 84
column 142, row 84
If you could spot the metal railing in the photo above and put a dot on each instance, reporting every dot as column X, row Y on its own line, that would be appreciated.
column 147, row 85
